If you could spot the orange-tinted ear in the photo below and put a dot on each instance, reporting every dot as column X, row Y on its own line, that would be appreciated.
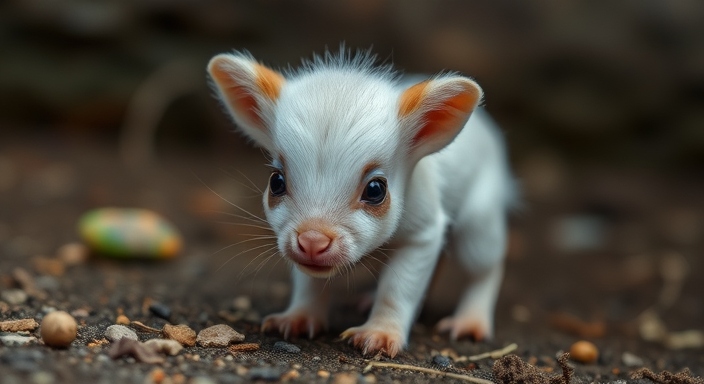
column 435, row 111
column 249, row 90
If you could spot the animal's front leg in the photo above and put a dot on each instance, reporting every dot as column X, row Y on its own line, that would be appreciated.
column 401, row 289
column 308, row 311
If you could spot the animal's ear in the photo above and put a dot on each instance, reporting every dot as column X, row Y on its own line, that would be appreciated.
column 433, row 112
column 249, row 90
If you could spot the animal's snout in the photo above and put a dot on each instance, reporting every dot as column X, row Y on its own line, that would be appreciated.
column 313, row 243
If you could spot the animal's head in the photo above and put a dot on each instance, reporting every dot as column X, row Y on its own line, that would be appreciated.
column 344, row 139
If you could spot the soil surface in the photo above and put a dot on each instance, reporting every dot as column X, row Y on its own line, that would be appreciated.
column 591, row 251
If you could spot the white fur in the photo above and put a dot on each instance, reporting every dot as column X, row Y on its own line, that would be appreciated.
column 333, row 118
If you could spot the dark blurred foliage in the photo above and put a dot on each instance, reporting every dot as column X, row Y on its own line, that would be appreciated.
column 611, row 82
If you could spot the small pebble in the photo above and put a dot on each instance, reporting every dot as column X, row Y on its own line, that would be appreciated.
column 165, row 346
column 116, row 332
column 156, row 376
column 48, row 266
column 130, row 347
column 244, row 347
column 220, row 335
column 18, row 325
column 129, row 233
column 290, row 375
column 58, row 329
column 282, row 346
column 584, row 352
column 181, row 333
column 631, row 360
column 26, row 281
column 346, row 378
column 323, row 374
column 80, row 312
column 122, row 320
column 241, row 370
column 242, row 303
column 265, row 373
column 14, row 296
column 16, row 340
column 73, row 254
column 442, row 361
column 160, row 310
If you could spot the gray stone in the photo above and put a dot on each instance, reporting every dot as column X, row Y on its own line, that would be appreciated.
column 442, row 361
column 631, row 360
column 282, row 346
column 13, row 296
column 265, row 373
column 15, row 340
column 218, row 336
column 160, row 310
column 116, row 332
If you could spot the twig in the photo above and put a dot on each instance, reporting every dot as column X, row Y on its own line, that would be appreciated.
column 457, row 376
column 497, row 354
column 144, row 327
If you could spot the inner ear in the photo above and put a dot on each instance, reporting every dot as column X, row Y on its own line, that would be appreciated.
column 435, row 111
column 249, row 90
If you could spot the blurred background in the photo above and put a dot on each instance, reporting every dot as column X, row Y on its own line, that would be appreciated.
column 106, row 103
column 616, row 83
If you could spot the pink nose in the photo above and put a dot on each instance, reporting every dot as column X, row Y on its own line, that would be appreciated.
column 313, row 243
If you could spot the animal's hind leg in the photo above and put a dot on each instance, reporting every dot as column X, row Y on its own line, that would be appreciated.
column 479, row 242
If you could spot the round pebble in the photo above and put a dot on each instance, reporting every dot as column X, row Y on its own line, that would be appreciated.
column 14, row 296
column 122, row 320
column 129, row 233
column 72, row 253
column 218, row 336
column 442, row 361
column 181, row 333
column 584, row 352
column 58, row 329
column 283, row 346
column 116, row 332
column 160, row 310
column 166, row 346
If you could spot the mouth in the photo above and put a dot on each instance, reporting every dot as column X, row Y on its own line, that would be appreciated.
column 316, row 270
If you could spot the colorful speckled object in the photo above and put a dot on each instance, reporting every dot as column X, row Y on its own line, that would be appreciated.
column 129, row 233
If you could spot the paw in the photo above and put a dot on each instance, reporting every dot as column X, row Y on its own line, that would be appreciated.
column 471, row 327
column 371, row 339
column 292, row 324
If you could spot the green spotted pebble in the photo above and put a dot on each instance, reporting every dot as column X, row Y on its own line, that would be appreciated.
column 129, row 233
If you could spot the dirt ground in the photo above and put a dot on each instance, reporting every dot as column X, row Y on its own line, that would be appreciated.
column 591, row 251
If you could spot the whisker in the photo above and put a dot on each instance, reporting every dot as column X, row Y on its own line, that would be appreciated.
column 230, row 175
column 244, row 225
column 256, row 220
column 258, row 238
column 228, row 201
column 387, row 265
column 253, row 260
column 245, row 251
column 251, row 182
column 369, row 270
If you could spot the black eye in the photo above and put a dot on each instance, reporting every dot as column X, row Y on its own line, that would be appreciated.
column 375, row 192
column 277, row 184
